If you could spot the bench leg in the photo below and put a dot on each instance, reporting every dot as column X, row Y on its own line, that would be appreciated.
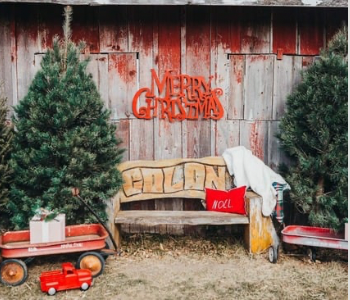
column 118, row 235
column 260, row 233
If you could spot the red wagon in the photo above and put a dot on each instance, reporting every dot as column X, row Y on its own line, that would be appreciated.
column 312, row 237
column 16, row 250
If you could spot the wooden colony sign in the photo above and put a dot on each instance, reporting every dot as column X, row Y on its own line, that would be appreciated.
column 178, row 97
column 173, row 178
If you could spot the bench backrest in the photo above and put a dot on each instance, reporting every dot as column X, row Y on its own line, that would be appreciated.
column 172, row 178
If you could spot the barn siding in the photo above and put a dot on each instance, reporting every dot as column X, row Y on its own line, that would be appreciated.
column 236, row 47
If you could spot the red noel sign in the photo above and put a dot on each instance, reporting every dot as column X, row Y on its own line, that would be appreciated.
column 232, row 201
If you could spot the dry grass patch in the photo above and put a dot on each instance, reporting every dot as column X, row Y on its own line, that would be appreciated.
column 165, row 268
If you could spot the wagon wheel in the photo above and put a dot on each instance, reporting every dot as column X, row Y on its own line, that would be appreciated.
column 273, row 254
column 92, row 261
column 13, row 272
column 311, row 253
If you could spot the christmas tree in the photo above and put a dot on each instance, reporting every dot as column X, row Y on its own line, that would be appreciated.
column 314, row 132
column 6, row 135
column 63, row 139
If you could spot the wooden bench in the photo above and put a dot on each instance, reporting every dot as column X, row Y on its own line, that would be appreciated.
column 187, row 179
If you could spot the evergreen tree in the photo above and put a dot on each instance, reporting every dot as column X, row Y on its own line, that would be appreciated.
column 6, row 135
column 63, row 139
column 314, row 132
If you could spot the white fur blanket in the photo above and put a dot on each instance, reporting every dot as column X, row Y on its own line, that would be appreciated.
column 249, row 170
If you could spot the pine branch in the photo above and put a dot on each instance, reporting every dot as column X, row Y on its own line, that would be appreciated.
column 67, row 32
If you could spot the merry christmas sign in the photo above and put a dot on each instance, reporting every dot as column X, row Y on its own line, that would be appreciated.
column 178, row 97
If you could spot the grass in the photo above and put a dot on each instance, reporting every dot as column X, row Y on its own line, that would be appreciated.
column 166, row 267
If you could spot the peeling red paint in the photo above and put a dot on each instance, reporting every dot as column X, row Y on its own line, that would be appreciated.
column 141, row 29
column 13, row 40
column 284, row 29
column 85, row 28
column 307, row 61
column 256, row 143
column 255, row 58
column 311, row 32
column 238, row 69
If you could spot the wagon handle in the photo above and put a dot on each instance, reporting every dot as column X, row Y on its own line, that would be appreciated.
column 75, row 193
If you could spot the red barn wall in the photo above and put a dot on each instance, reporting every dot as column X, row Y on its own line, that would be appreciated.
column 234, row 46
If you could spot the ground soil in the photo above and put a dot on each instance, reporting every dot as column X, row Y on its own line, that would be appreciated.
column 165, row 268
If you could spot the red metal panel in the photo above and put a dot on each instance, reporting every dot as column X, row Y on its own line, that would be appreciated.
column 311, row 31
column 78, row 239
column 284, row 28
column 314, row 237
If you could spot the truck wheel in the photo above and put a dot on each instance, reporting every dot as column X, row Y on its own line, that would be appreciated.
column 92, row 261
column 85, row 286
column 13, row 272
column 51, row 291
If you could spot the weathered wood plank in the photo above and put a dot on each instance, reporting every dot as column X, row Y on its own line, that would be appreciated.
column 141, row 139
column 334, row 20
column 6, row 56
column 114, row 29
column 261, row 3
column 163, row 163
column 122, row 83
column 286, row 76
column 141, row 40
column 258, row 87
column 123, row 133
column 26, row 39
column 235, row 96
column 254, row 136
column 284, row 30
column 255, row 31
column 168, row 137
column 275, row 155
column 85, row 26
column 197, row 132
column 172, row 178
column 98, row 67
column 50, row 20
column 310, row 32
column 157, row 217
column 226, row 135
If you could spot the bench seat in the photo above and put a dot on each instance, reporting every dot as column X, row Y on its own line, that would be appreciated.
column 184, row 178
column 159, row 217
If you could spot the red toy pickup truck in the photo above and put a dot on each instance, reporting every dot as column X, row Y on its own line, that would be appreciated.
column 65, row 279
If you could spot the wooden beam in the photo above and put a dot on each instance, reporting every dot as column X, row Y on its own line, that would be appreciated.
column 269, row 3
column 159, row 217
